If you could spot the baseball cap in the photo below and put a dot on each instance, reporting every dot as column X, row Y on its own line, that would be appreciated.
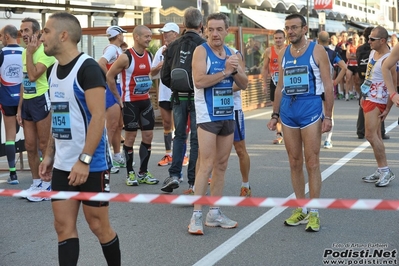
column 114, row 31
column 170, row 26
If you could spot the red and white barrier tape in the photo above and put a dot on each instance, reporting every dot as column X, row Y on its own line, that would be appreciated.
column 321, row 203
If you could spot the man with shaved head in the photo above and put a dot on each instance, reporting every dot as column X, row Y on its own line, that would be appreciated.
column 376, row 104
column 334, row 59
column 135, row 66
column 78, row 156
column 11, row 82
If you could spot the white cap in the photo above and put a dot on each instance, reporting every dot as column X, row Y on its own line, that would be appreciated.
column 170, row 26
column 114, row 31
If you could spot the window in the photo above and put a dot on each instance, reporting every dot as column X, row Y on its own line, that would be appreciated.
column 344, row 4
column 254, row 47
column 350, row 5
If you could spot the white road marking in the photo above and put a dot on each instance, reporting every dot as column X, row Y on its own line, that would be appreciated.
column 225, row 248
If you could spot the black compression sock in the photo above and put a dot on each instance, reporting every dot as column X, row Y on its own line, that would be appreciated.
column 112, row 253
column 68, row 252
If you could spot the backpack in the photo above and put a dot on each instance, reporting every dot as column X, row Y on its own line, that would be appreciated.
column 181, row 70
column 362, row 56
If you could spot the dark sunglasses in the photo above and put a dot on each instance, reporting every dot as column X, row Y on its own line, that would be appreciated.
column 374, row 39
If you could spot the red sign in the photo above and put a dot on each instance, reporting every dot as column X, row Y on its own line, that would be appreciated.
column 323, row 4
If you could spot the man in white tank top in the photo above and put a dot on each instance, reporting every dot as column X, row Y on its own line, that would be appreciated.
column 376, row 104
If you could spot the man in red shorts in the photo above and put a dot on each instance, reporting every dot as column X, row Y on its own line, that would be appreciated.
column 376, row 104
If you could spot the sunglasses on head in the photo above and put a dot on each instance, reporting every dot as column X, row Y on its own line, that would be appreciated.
column 374, row 39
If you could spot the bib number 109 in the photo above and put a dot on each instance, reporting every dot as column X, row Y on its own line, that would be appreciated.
column 296, row 80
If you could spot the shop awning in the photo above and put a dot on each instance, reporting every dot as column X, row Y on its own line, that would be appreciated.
column 357, row 26
column 265, row 19
column 275, row 21
column 335, row 26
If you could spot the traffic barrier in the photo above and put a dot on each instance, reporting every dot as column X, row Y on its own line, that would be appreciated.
column 321, row 203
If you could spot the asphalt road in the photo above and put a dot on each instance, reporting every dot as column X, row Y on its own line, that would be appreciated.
column 157, row 234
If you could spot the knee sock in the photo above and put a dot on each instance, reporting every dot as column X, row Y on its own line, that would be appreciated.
column 10, row 152
column 167, row 136
column 111, row 252
column 68, row 252
column 129, row 158
column 145, row 152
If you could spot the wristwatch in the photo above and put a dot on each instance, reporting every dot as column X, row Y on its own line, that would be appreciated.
column 85, row 158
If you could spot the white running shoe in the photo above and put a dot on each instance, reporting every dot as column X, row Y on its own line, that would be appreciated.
column 31, row 188
column 39, row 189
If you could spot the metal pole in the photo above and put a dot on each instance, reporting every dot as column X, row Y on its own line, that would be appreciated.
column 366, row 9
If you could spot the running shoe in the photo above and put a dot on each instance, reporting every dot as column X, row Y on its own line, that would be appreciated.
column 385, row 178
column 32, row 188
column 13, row 179
column 119, row 162
column 189, row 191
column 185, row 161
column 39, row 189
column 195, row 227
column 351, row 96
column 165, row 161
column 147, row 178
column 114, row 170
column 372, row 178
column 327, row 145
column 386, row 136
column 219, row 220
column 340, row 96
column 245, row 192
column 131, row 179
column 170, row 184
column 297, row 217
column 278, row 139
column 314, row 222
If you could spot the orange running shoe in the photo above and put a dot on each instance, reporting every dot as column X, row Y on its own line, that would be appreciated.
column 189, row 191
column 165, row 161
column 278, row 140
column 185, row 161
column 245, row 192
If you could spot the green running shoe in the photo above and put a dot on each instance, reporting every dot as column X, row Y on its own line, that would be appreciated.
column 297, row 217
column 314, row 222
column 147, row 178
column 119, row 162
column 131, row 179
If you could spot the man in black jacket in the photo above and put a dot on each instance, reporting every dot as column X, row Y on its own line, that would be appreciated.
column 183, row 104
column 362, row 55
